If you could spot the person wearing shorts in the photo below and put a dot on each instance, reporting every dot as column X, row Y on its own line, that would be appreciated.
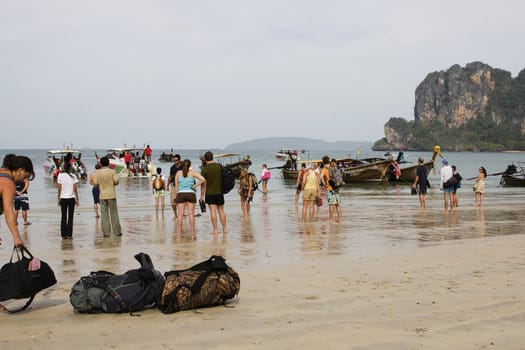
column 311, row 191
column 186, row 183
column 212, row 193
column 95, row 191
column 158, row 193
column 421, row 183
column 446, row 173
column 22, row 200
column 332, row 195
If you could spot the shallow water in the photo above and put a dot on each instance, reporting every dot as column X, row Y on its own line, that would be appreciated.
column 376, row 219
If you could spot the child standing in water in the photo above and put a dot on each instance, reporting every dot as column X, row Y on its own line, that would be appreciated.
column 265, row 176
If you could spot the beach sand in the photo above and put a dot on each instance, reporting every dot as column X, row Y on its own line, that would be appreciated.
column 362, row 284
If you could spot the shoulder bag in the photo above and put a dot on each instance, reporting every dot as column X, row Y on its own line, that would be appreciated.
column 24, row 276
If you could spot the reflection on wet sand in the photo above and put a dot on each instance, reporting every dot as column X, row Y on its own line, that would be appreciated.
column 480, row 217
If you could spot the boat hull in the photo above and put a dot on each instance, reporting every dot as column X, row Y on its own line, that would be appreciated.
column 408, row 174
column 139, row 166
column 512, row 181
column 56, row 157
column 238, row 166
column 168, row 157
column 375, row 171
column 290, row 174
column 514, row 175
column 135, row 170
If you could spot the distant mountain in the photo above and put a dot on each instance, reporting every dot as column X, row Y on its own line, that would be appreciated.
column 276, row 143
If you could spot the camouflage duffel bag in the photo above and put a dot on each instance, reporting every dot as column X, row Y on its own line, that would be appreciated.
column 211, row 282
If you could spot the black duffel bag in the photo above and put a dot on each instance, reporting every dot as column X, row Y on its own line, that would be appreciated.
column 24, row 276
column 450, row 182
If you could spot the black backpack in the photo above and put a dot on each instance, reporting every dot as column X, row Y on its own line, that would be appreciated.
column 228, row 179
column 255, row 184
column 103, row 291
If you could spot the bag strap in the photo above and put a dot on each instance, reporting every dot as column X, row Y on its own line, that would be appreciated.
column 23, row 307
column 25, row 251
column 21, row 252
column 144, row 260
column 215, row 263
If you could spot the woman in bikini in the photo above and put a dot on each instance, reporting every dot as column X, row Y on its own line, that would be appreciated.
column 14, row 168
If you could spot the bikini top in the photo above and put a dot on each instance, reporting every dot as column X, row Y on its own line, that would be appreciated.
column 1, row 202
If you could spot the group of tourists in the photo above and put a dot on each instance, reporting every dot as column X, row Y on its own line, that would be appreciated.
column 449, row 183
column 311, row 180
column 183, row 183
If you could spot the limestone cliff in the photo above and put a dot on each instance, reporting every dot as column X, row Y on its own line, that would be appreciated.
column 455, row 96
column 472, row 107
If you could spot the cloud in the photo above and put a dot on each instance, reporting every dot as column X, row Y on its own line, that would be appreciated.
column 216, row 72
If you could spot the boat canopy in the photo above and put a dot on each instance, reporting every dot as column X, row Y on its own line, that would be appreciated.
column 62, row 152
column 124, row 149
column 225, row 155
column 307, row 161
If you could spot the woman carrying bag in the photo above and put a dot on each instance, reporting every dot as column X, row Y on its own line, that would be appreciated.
column 14, row 168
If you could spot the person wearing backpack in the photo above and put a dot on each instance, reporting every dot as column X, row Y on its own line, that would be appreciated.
column 456, row 186
column 245, row 191
column 211, row 192
column 332, row 193
column 420, row 183
column 159, row 186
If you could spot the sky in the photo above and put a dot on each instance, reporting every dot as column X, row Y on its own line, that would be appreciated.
column 206, row 74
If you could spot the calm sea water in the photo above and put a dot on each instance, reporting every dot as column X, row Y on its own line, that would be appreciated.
column 136, row 192
column 376, row 217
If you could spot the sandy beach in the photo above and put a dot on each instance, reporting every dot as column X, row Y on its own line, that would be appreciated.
column 335, row 286
column 390, row 276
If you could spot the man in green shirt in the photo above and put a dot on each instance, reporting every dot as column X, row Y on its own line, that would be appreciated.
column 212, row 193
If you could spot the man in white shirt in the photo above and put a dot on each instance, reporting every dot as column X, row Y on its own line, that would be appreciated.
column 446, row 174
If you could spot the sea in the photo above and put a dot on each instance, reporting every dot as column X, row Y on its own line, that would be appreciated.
column 376, row 217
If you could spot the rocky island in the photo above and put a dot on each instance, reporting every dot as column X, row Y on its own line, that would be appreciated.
column 471, row 108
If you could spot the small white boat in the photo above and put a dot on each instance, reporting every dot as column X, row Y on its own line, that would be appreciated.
column 55, row 159
column 285, row 154
column 138, row 165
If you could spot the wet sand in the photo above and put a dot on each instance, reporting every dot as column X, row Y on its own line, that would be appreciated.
column 394, row 278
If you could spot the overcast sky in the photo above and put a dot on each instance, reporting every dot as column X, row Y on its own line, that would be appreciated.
column 205, row 74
